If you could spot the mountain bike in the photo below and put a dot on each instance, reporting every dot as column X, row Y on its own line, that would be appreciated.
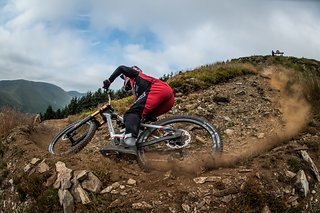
column 181, row 137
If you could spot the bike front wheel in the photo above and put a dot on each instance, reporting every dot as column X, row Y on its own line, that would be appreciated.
column 195, row 140
column 71, row 143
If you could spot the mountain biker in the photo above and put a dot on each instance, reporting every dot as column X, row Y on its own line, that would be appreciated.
column 153, row 97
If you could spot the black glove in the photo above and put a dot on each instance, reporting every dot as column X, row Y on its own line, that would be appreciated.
column 106, row 84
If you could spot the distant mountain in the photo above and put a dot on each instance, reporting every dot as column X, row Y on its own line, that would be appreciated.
column 32, row 97
column 75, row 94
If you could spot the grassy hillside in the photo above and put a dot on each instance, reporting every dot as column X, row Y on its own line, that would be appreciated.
column 33, row 97
column 305, row 71
column 207, row 75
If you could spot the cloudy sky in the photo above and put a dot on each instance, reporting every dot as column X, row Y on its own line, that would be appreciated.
column 76, row 44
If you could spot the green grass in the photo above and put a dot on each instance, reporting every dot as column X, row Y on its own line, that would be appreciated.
column 46, row 202
column 208, row 75
column 43, row 199
column 123, row 104
column 120, row 107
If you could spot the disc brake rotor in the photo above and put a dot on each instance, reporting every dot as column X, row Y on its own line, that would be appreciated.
column 185, row 137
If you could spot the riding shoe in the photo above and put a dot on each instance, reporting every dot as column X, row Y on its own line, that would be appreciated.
column 129, row 143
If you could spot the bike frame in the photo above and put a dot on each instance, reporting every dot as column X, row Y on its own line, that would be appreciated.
column 107, row 114
column 114, row 136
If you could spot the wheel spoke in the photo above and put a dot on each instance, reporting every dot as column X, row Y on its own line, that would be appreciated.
column 196, row 139
column 72, row 142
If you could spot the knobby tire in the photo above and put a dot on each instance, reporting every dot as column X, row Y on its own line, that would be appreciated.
column 213, row 134
column 80, row 144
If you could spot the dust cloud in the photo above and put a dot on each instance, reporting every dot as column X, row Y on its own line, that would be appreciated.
column 295, row 112
column 295, row 115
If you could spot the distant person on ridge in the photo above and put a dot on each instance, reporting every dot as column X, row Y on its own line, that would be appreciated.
column 153, row 97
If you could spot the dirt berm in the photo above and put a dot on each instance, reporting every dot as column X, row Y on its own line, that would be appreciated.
column 263, row 127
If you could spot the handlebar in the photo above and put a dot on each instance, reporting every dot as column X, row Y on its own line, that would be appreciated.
column 109, row 99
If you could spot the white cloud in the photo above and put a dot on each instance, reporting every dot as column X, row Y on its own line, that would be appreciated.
column 39, row 40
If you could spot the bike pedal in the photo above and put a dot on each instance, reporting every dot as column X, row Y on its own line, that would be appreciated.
column 111, row 153
column 108, row 153
column 118, row 150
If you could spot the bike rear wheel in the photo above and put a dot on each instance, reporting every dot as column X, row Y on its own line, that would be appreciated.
column 64, row 144
column 199, row 140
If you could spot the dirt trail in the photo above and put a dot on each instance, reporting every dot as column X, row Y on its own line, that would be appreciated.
column 43, row 133
column 253, row 114
column 260, row 114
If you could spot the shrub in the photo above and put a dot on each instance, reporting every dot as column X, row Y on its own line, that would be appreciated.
column 43, row 199
column 3, row 171
column 253, row 198
column 295, row 164
column 47, row 201
column 10, row 118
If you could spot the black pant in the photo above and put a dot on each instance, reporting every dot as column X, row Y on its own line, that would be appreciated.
column 132, row 117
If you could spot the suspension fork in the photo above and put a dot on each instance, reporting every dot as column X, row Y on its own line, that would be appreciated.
column 113, row 135
column 85, row 120
column 77, row 125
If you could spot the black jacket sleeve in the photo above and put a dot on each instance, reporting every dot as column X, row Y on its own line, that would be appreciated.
column 127, row 71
